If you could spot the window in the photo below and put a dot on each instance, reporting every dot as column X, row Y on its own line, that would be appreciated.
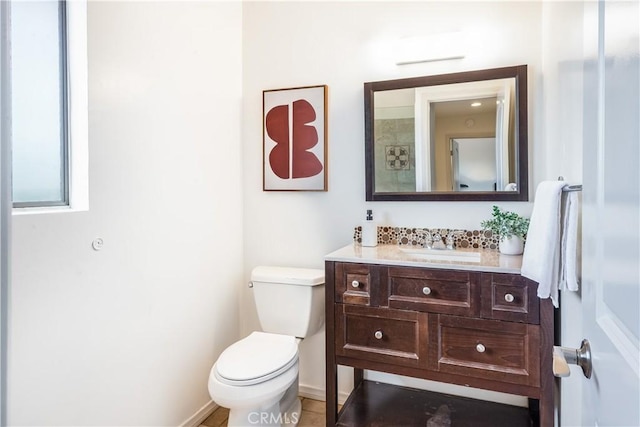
column 48, row 77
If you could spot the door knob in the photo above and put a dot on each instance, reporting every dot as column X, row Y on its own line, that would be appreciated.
column 564, row 356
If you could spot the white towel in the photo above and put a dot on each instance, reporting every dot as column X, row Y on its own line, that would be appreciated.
column 550, row 254
column 569, row 243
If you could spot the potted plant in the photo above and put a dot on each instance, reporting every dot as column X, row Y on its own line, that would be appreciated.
column 510, row 228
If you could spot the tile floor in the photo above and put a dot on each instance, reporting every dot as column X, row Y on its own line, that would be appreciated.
column 313, row 415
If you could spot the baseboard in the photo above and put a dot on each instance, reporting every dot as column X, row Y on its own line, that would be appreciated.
column 196, row 419
column 319, row 393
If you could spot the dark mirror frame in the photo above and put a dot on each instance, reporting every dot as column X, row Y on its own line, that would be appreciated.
column 520, row 74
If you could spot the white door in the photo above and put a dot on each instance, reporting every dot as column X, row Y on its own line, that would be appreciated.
column 474, row 164
column 611, row 221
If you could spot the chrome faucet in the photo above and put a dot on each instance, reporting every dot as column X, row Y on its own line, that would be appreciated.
column 449, row 241
column 436, row 242
column 427, row 240
column 451, row 238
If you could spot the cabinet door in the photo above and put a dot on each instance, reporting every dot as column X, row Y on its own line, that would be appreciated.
column 509, row 297
column 488, row 349
column 382, row 335
column 435, row 291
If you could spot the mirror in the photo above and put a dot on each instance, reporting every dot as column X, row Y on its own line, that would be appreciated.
column 460, row 136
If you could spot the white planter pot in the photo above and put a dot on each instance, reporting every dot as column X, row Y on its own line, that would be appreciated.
column 514, row 245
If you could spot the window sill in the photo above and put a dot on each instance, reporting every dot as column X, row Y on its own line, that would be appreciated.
column 46, row 210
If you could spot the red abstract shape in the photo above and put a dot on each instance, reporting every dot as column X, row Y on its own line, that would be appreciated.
column 277, row 125
column 305, row 137
column 303, row 163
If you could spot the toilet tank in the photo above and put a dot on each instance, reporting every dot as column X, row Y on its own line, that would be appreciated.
column 290, row 301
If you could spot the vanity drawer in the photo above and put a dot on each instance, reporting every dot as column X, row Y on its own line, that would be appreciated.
column 435, row 291
column 381, row 335
column 353, row 283
column 488, row 349
column 509, row 297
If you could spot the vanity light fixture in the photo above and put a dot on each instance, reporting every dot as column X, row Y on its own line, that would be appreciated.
column 476, row 104
column 430, row 48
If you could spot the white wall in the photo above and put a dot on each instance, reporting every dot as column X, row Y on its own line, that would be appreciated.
column 127, row 335
column 343, row 45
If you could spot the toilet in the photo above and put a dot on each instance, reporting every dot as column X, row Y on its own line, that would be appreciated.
column 257, row 377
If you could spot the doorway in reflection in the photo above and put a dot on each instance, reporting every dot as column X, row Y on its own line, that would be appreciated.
column 473, row 164
column 473, row 123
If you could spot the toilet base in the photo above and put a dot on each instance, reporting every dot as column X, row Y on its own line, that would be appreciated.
column 284, row 412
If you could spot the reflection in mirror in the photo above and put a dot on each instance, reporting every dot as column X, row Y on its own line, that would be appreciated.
column 473, row 164
column 449, row 137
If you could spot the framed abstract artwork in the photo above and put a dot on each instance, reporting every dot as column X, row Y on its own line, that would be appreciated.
column 295, row 139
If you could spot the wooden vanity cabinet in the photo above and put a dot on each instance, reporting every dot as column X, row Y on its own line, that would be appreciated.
column 481, row 329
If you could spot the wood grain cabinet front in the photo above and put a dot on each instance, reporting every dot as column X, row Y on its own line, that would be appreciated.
column 382, row 335
column 489, row 349
column 509, row 297
column 435, row 291
column 484, row 329
column 353, row 284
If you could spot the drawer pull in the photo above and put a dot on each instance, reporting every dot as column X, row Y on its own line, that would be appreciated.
column 426, row 290
column 509, row 298
column 481, row 348
column 355, row 284
column 378, row 335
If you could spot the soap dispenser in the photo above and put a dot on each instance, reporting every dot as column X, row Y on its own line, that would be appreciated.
column 369, row 235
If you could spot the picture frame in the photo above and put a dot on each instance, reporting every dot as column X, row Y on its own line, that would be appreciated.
column 294, row 128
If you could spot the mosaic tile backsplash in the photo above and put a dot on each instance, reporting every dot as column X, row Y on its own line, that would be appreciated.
column 483, row 239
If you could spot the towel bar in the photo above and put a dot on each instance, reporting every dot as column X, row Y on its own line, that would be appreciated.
column 568, row 188
column 572, row 188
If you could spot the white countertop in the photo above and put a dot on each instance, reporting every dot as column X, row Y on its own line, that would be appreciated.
column 491, row 260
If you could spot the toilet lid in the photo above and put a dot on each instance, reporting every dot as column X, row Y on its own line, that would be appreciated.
column 257, row 358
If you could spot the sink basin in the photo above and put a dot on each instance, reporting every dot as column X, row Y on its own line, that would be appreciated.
column 442, row 254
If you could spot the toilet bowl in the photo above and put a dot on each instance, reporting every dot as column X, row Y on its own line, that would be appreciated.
column 257, row 377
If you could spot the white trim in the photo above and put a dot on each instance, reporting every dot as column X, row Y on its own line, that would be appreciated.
column 5, row 199
column 622, row 339
column 37, row 210
column 200, row 415
column 423, row 147
column 78, row 105
column 311, row 392
column 316, row 393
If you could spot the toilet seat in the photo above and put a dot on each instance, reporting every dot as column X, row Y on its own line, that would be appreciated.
column 256, row 359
